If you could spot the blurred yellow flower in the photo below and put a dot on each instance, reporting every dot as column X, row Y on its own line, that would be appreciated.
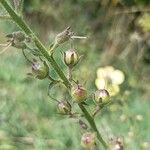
column 100, row 83
column 139, row 117
column 113, row 89
column 109, row 78
column 117, row 77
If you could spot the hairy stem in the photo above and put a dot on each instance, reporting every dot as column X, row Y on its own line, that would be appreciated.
column 21, row 23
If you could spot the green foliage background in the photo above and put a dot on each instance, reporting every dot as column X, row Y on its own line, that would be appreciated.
column 28, row 117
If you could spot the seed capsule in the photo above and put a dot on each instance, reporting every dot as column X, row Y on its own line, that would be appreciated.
column 64, row 107
column 71, row 57
column 63, row 36
column 40, row 70
column 101, row 96
column 88, row 139
column 78, row 93
column 19, row 45
column 17, row 36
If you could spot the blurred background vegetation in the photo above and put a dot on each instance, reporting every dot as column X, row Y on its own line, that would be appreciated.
column 118, row 34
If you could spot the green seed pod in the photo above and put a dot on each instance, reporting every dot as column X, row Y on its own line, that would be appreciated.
column 101, row 96
column 78, row 93
column 71, row 58
column 40, row 70
column 88, row 140
column 64, row 107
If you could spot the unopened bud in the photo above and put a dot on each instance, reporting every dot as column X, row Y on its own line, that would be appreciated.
column 64, row 107
column 40, row 70
column 88, row 139
column 101, row 96
column 71, row 57
column 78, row 93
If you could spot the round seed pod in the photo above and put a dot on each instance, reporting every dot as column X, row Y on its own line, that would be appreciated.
column 78, row 93
column 71, row 58
column 40, row 70
column 64, row 107
column 101, row 96
column 88, row 139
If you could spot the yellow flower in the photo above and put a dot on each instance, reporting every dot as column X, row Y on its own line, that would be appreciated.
column 113, row 89
column 104, row 72
column 100, row 83
column 117, row 77
column 110, row 79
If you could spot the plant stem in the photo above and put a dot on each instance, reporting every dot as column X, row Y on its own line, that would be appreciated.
column 21, row 23
column 70, row 74
column 92, row 124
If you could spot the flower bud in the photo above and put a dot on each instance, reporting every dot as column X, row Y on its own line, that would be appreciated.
column 88, row 139
column 71, row 57
column 40, row 70
column 64, row 107
column 101, row 96
column 78, row 93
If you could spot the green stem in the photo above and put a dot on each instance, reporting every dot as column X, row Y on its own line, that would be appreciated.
column 20, row 22
column 92, row 124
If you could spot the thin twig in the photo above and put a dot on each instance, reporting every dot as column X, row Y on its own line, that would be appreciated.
column 5, row 48
column 23, row 51
column 6, row 17
column 78, row 37
column 131, row 11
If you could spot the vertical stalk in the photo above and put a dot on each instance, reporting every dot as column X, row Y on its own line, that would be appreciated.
column 21, row 23
column 92, row 124
column 70, row 74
